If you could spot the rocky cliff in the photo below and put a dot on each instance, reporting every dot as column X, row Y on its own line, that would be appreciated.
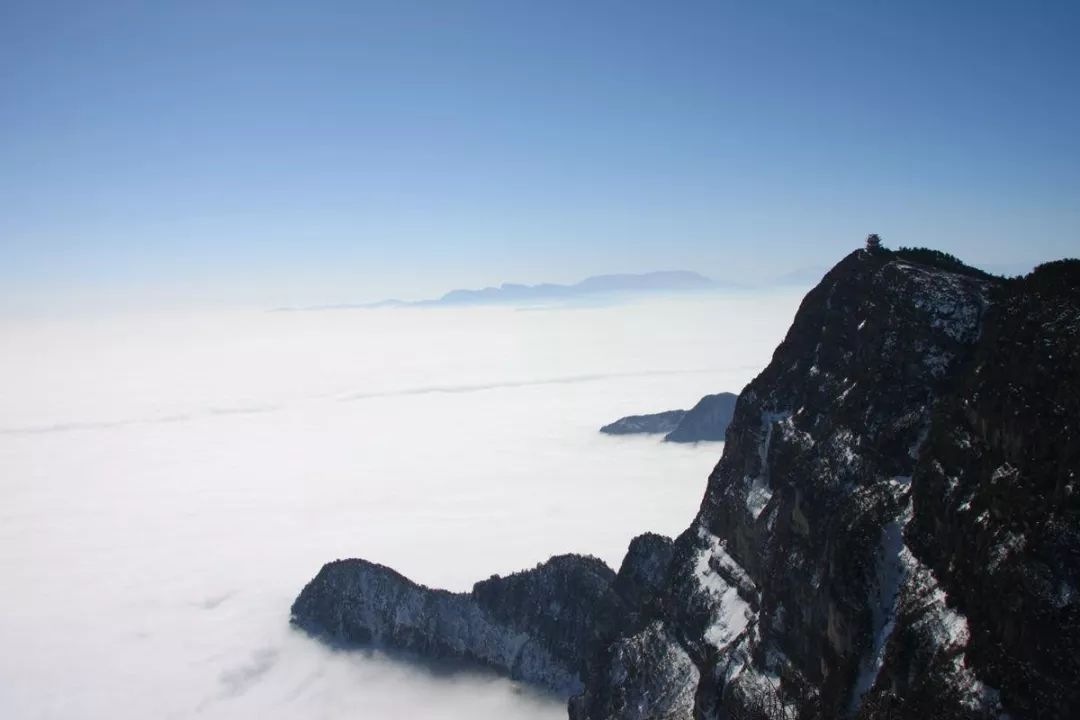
column 893, row 530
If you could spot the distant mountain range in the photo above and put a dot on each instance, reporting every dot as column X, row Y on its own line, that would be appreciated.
column 615, row 284
column 597, row 285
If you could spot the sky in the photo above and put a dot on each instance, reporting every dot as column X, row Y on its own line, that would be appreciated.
column 155, row 154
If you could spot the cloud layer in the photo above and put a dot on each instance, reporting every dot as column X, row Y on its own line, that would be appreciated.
column 168, row 487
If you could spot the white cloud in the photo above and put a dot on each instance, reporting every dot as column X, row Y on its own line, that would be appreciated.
column 169, row 485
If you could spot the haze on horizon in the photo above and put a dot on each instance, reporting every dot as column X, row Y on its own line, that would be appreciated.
column 268, row 154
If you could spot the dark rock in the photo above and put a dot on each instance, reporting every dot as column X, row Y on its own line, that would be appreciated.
column 644, row 676
column 996, row 496
column 643, row 571
column 891, row 531
column 568, row 605
column 708, row 420
column 813, row 470
column 662, row 422
column 538, row 625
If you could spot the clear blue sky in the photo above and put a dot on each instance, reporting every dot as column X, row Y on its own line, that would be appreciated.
column 307, row 152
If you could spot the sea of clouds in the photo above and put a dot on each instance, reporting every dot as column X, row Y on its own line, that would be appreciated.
column 169, row 483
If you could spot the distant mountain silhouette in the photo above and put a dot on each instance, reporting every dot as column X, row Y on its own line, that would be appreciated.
column 660, row 281
column 647, row 282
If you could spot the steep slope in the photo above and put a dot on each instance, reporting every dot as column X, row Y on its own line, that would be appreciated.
column 996, row 500
column 869, row 543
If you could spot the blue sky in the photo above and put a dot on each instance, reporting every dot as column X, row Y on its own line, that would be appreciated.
column 316, row 152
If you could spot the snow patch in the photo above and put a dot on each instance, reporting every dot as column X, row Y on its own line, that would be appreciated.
column 842, row 442
column 721, row 577
column 913, row 451
column 948, row 631
column 953, row 305
column 730, row 619
column 759, row 492
column 891, row 573
column 1010, row 544
column 843, row 395
column 1066, row 595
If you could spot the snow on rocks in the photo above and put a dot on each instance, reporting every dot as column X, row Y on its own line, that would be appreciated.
column 723, row 579
column 890, row 575
column 945, row 631
column 648, row 675
column 953, row 302
column 759, row 491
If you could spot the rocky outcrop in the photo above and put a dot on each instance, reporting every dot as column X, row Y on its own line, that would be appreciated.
column 646, row 675
column 539, row 625
column 707, row 420
column 544, row 626
column 661, row 422
column 643, row 571
column 893, row 530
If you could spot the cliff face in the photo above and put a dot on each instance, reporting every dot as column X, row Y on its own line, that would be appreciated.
column 893, row 529
column 996, row 496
